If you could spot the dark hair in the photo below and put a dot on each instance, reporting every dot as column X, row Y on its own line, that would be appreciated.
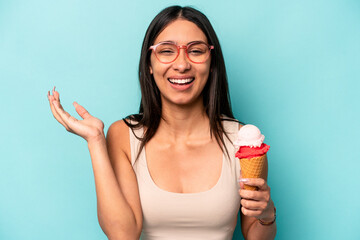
column 216, row 97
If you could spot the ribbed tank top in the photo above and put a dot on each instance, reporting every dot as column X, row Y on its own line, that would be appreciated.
column 188, row 216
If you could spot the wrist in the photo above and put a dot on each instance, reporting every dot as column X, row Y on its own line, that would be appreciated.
column 268, row 220
column 99, row 139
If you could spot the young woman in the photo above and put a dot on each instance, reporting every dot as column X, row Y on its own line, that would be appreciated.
column 169, row 172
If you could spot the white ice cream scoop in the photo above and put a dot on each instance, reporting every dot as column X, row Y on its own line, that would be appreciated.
column 249, row 135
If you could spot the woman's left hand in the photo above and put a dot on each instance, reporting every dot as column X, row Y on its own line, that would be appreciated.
column 256, row 203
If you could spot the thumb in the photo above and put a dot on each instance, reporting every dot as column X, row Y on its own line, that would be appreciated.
column 81, row 110
column 241, row 184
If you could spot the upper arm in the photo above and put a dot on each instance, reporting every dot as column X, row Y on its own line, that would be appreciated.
column 118, row 145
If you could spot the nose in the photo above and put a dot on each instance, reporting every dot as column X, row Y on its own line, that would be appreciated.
column 182, row 63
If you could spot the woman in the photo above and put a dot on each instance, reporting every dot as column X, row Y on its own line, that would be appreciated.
column 169, row 172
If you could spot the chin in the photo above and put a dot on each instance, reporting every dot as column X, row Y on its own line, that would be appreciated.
column 185, row 102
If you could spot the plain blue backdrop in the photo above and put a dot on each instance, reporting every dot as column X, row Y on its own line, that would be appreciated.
column 293, row 69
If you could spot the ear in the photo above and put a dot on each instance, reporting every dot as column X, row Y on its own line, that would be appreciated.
column 151, row 71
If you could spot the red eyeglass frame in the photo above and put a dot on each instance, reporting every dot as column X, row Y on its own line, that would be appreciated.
column 153, row 48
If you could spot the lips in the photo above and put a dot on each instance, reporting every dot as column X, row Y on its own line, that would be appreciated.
column 181, row 81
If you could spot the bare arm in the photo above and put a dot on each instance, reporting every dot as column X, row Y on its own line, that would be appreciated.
column 118, row 218
column 116, row 215
column 118, row 146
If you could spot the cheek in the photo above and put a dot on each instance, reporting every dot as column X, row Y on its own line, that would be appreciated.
column 205, row 68
column 205, row 71
column 158, row 70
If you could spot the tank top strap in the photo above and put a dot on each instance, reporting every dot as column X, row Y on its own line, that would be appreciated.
column 135, row 143
column 231, row 128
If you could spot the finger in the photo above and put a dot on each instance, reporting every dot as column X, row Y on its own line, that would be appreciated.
column 250, row 213
column 53, row 110
column 263, row 196
column 56, row 94
column 256, row 182
column 81, row 110
column 241, row 184
column 57, row 100
column 66, row 119
column 253, row 205
column 250, row 194
column 51, row 99
column 72, row 124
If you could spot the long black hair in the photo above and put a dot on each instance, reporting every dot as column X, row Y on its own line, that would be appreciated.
column 215, row 94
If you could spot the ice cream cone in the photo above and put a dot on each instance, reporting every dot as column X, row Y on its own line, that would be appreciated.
column 252, row 153
column 253, row 168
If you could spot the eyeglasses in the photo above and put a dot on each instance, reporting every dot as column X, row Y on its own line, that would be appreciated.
column 196, row 52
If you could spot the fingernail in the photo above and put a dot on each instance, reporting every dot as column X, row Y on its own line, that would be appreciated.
column 244, row 180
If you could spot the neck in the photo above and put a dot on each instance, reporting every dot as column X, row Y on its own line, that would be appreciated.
column 184, row 122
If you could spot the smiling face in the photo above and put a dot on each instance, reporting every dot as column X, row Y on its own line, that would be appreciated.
column 180, row 82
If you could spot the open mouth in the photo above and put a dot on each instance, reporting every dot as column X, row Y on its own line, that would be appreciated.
column 183, row 81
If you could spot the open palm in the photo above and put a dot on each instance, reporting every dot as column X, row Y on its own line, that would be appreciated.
column 90, row 128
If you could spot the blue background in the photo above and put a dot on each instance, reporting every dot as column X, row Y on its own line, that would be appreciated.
column 293, row 69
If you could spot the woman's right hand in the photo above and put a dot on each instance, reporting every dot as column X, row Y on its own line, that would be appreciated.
column 90, row 128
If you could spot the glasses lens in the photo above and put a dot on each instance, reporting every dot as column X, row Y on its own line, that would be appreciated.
column 166, row 52
column 198, row 52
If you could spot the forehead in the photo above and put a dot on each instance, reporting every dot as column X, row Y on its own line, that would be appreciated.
column 182, row 32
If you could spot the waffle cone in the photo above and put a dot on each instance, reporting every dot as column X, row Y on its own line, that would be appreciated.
column 253, row 168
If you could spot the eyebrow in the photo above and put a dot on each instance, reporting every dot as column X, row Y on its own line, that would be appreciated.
column 173, row 42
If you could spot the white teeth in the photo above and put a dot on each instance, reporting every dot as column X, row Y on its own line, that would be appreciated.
column 180, row 81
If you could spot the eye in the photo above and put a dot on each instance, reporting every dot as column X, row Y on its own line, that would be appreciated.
column 198, row 49
column 166, row 51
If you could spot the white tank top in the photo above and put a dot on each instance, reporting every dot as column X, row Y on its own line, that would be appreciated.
column 188, row 216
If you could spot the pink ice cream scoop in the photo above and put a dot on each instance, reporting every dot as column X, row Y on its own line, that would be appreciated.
column 249, row 135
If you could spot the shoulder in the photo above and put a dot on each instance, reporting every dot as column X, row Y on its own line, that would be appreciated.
column 117, row 130
column 118, row 139
column 233, row 123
